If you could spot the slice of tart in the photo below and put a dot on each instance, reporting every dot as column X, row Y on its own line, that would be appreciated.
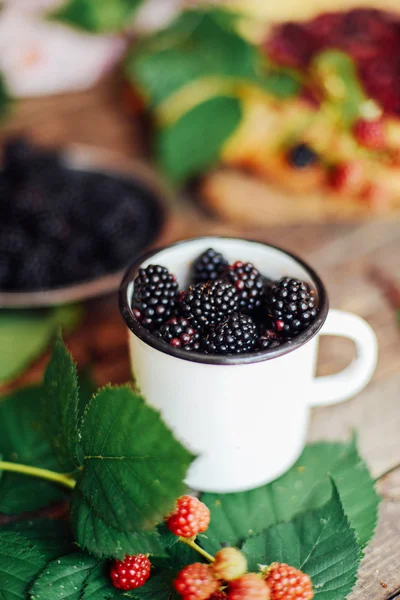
column 310, row 107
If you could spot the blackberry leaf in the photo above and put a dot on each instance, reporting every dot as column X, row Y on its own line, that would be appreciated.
column 306, row 486
column 60, row 407
column 100, row 539
column 133, row 470
column 20, row 561
column 63, row 578
column 320, row 543
column 22, row 439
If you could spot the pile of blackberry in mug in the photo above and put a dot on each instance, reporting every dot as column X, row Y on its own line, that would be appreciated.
column 228, row 309
column 60, row 225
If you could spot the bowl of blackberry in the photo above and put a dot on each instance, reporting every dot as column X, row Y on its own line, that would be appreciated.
column 228, row 308
column 71, row 222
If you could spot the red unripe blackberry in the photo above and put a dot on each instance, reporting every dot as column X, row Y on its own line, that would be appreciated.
column 130, row 573
column 178, row 332
column 207, row 304
column 154, row 296
column 287, row 583
column 236, row 335
column 249, row 284
column 190, row 517
column 196, row 582
column 208, row 266
column 248, row 587
column 290, row 306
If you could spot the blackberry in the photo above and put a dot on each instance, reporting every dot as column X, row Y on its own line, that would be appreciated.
column 5, row 271
column 291, row 306
column 249, row 284
column 179, row 333
column 208, row 266
column 154, row 296
column 236, row 335
column 207, row 304
column 302, row 156
column 268, row 340
column 34, row 269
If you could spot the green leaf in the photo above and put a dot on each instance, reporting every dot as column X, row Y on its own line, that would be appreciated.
column 19, row 563
column 25, row 335
column 234, row 517
column 5, row 99
column 101, row 16
column 321, row 543
column 102, row 540
column 218, row 117
column 341, row 85
column 197, row 45
column 63, row 578
column 98, row 585
column 202, row 44
column 60, row 407
column 159, row 587
column 22, row 441
column 133, row 470
column 51, row 537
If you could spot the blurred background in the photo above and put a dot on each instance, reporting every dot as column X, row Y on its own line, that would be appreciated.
column 129, row 123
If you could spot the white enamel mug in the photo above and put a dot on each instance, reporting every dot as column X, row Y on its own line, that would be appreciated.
column 244, row 416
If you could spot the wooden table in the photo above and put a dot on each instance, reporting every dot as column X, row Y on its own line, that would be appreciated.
column 342, row 254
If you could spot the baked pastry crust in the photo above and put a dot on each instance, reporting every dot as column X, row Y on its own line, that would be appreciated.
column 299, row 10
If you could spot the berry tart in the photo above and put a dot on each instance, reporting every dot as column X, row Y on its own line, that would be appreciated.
column 301, row 106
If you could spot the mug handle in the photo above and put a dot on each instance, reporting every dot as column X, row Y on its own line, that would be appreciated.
column 331, row 389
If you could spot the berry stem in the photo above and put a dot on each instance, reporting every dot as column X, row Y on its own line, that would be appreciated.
column 36, row 472
column 190, row 542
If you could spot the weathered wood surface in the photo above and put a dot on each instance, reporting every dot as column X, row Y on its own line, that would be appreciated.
column 343, row 254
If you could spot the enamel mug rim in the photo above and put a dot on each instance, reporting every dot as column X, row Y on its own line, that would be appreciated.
column 143, row 334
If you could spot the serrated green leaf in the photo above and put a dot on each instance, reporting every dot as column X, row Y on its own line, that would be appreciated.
column 102, row 540
column 19, row 563
column 63, row 578
column 218, row 116
column 159, row 586
column 234, row 517
column 22, row 440
column 5, row 99
column 60, row 407
column 51, row 537
column 101, row 16
column 133, row 469
column 342, row 89
column 25, row 335
column 98, row 585
column 320, row 543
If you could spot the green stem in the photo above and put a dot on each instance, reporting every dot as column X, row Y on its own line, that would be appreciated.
column 36, row 472
column 190, row 542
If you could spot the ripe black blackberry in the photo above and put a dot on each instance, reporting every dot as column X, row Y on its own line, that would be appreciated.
column 208, row 266
column 291, row 306
column 154, row 296
column 302, row 156
column 207, row 304
column 249, row 284
column 268, row 340
column 236, row 335
column 179, row 333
